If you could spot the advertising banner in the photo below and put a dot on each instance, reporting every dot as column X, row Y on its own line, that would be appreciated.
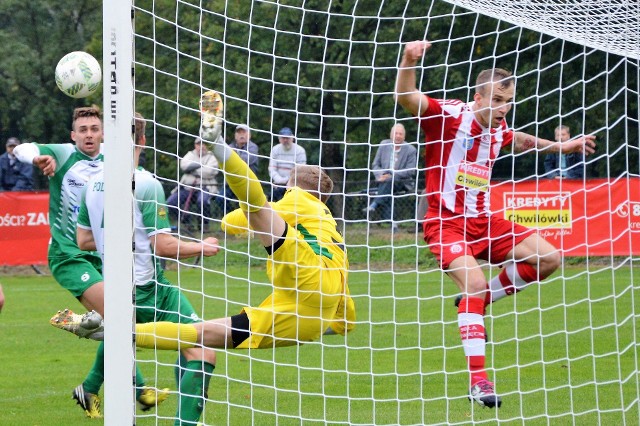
column 597, row 217
column 24, row 228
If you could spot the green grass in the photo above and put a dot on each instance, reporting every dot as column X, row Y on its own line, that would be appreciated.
column 561, row 353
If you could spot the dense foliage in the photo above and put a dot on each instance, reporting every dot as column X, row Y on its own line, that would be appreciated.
column 327, row 71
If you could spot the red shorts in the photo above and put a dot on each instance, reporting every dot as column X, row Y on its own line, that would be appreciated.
column 489, row 238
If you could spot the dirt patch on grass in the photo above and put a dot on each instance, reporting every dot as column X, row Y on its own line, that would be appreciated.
column 24, row 270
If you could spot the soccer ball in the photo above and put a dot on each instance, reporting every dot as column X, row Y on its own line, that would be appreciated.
column 78, row 74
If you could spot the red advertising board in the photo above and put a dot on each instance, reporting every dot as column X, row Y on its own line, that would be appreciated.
column 24, row 228
column 599, row 217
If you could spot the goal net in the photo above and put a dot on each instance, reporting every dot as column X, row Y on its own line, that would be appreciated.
column 563, row 351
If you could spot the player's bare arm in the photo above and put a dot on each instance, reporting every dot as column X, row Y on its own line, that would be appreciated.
column 85, row 240
column 166, row 245
column 407, row 93
column 46, row 163
column 524, row 142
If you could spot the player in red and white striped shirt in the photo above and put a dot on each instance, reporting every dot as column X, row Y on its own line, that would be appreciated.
column 462, row 143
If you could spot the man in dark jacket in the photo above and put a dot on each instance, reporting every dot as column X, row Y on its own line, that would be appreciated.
column 14, row 175
column 395, row 168
column 568, row 166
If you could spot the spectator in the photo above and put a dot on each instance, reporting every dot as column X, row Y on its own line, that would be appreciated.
column 394, row 168
column 198, row 183
column 558, row 165
column 248, row 152
column 284, row 157
column 14, row 175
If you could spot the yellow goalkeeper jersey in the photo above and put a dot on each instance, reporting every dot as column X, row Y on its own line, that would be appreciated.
column 305, row 213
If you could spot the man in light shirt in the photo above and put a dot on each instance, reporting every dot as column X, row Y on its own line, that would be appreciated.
column 284, row 157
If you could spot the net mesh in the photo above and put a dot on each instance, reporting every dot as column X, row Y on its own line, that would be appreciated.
column 562, row 351
column 612, row 26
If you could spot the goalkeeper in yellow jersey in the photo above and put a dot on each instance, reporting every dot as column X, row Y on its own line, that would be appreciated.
column 307, row 261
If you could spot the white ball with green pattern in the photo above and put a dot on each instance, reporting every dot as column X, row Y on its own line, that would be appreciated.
column 78, row 74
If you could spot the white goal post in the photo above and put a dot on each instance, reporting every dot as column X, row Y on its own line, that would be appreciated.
column 118, row 112
column 563, row 351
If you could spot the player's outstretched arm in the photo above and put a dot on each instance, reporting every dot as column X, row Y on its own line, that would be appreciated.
column 585, row 144
column 30, row 153
column 407, row 93
column 166, row 245
column 267, row 224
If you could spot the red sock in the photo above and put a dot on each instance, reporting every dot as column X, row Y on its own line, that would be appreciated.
column 513, row 278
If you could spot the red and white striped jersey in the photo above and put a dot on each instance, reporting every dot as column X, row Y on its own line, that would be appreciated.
column 459, row 155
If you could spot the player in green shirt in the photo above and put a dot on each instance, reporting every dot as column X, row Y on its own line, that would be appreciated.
column 156, row 298
column 69, row 167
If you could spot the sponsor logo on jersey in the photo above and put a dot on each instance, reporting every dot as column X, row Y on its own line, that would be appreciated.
column 85, row 277
column 467, row 143
column 456, row 248
column 74, row 183
column 496, row 149
column 162, row 212
column 472, row 175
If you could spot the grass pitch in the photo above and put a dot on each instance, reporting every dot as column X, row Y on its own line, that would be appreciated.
column 564, row 352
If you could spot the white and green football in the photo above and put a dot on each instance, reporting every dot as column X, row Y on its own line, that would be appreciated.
column 78, row 74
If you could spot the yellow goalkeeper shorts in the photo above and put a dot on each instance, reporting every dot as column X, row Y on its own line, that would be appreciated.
column 308, row 291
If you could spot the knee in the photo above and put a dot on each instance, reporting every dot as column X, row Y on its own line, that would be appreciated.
column 199, row 353
column 384, row 187
column 476, row 287
column 209, row 356
column 549, row 262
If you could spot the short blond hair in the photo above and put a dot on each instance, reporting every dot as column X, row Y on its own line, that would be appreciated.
column 139, row 127
column 313, row 180
column 495, row 75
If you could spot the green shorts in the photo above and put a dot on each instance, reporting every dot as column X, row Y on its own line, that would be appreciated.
column 78, row 272
column 163, row 302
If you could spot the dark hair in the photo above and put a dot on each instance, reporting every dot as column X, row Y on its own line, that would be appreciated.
column 92, row 111
column 495, row 75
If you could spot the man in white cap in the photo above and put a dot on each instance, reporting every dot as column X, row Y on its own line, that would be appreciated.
column 284, row 157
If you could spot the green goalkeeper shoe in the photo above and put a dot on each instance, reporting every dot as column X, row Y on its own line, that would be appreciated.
column 88, row 326
column 151, row 397
column 90, row 402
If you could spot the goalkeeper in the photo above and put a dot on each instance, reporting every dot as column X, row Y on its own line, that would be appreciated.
column 307, row 261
